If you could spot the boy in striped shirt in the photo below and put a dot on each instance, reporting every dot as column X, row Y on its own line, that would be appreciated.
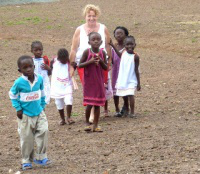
column 27, row 97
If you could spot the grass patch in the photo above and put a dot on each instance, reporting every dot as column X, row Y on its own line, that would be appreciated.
column 146, row 112
column 49, row 27
column 28, row 20
column 198, row 114
column 75, row 114
column 5, row 43
column 28, row 10
column 194, row 40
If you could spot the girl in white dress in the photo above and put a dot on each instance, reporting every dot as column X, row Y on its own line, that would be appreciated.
column 42, row 67
column 61, row 85
column 129, row 78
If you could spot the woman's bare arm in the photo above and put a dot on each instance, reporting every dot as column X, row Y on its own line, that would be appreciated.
column 75, row 45
column 107, row 46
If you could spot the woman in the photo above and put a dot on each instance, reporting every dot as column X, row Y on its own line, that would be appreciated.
column 80, row 37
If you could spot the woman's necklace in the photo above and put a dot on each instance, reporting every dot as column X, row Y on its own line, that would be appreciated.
column 90, row 29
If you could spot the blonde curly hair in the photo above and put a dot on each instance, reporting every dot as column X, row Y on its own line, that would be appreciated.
column 91, row 7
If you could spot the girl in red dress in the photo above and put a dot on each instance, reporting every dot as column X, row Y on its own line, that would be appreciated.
column 94, row 62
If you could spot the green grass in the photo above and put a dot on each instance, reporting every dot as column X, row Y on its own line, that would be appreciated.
column 28, row 10
column 49, row 27
column 28, row 20
column 194, row 40
column 146, row 112
column 75, row 114
column 198, row 114
column 5, row 43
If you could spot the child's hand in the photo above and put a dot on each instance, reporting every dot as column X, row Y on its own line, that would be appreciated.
column 45, row 67
column 138, row 87
column 111, row 42
column 19, row 114
column 94, row 60
column 97, row 60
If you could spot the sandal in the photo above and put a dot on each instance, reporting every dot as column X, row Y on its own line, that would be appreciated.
column 70, row 121
column 118, row 114
column 126, row 113
column 26, row 166
column 62, row 122
column 87, row 128
column 97, row 129
column 132, row 116
column 44, row 162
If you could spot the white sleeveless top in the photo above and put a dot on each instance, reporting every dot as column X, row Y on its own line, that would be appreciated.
column 83, row 45
column 61, row 83
column 127, row 78
column 38, row 70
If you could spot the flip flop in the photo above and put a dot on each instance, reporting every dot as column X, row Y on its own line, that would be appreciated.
column 132, row 116
column 97, row 129
column 118, row 114
column 87, row 128
column 44, row 162
column 26, row 166
column 62, row 122
column 70, row 121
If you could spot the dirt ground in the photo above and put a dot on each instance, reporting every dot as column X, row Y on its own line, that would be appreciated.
column 165, row 138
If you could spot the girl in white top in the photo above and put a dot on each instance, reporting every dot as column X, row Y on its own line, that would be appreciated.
column 61, row 85
column 42, row 67
column 129, row 78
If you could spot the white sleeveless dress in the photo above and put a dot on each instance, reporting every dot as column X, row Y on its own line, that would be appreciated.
column 127, row 80
column 61, row 83
column 44, row 73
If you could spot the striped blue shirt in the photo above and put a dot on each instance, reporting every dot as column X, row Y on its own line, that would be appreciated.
column 28, row 97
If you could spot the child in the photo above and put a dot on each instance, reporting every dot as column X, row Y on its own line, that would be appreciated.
column 94, row 62
column 28, row 98
column 129, row 78
column 61, row 85
column 120, row 33
column 42, row 66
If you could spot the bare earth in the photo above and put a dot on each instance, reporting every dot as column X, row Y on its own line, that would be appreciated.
column 165, row 138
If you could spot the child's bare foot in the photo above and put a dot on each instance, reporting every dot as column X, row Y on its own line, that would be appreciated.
column 70, row 121
column 106, row 113
column 62, row 122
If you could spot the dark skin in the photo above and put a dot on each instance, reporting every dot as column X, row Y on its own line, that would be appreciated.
column 95, row 42
column 64, row 60
column 130, row 45
column 119, row 36
column 37, row 50
column 27, row 69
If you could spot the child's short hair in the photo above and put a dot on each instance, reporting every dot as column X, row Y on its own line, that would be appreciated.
column 63, row 54
column 122, row 28
column 130, row 37
column 91, row 7
column 21, row 58
column 35, row 43
column 90, row 34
